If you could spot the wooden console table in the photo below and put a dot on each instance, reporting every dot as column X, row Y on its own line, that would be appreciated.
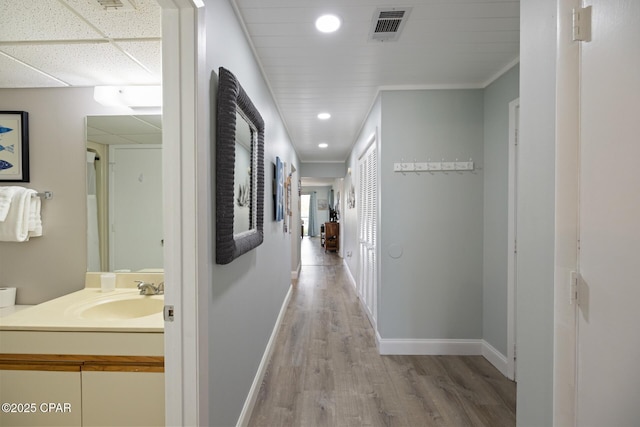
column 330, row 239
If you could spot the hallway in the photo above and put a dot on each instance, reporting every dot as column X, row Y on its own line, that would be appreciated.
column 325, row 369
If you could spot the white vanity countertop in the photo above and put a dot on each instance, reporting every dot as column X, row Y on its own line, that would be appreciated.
column 5, row 311
column 66, row 314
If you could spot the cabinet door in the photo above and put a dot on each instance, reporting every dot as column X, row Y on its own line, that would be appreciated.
column 122, row 398
column 40, row 398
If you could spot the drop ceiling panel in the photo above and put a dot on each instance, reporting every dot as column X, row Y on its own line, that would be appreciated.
column 84, row 64
column 125, row 125
column 144, row 21
column 154, row 120
column 109, row 139
column 149, row 53
column 125, row 129
column 41, row 20
column 16, row 75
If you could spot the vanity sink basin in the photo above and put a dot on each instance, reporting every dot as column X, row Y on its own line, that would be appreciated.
column 119, row 307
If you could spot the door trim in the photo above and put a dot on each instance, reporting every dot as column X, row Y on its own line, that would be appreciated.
column 185, row 92
column 514, row 108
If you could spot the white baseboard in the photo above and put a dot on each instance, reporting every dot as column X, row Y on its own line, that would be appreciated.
column 250, row 402
column 451, row 347
column 496, row 358
column 296, row 273
column 348, row 270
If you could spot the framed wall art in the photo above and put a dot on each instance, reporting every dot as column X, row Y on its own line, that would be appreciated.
column 14, row 146
column 279, row 190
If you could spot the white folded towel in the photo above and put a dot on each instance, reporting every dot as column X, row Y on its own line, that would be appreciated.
column 35, row 221
column 6, row 193
column 15, row 227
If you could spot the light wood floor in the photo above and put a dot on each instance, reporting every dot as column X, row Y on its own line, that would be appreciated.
column 326, row 371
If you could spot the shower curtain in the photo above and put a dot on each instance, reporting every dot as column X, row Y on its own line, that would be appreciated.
column 93, row 239
column 313, row 208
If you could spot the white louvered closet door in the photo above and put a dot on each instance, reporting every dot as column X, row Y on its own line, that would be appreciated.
column 368, row 220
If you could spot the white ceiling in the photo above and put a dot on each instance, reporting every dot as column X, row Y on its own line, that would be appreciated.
column 445, row 43
column 57, row 43
column 135, row 129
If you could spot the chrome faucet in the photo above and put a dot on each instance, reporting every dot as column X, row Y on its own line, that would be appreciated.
column 150, row 288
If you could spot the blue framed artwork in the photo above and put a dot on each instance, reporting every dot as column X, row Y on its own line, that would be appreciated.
column 279, row 193
column 14, row 146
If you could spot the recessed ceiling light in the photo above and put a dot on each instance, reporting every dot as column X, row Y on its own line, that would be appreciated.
column 328, row 23
column 323, row 145
column 324, row 116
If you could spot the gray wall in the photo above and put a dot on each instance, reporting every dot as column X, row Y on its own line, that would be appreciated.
column 496, row 168
column 536, row 205
column 55, row 264
column 322, row 170
column 247, row 294
column 435, row 289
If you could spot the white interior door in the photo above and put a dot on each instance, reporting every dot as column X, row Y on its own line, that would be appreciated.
column 368, row 230
column 608, row 378
column 135, row 199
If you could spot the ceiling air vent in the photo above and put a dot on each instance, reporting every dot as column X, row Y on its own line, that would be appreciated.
column 388, row 23
column 117, row 4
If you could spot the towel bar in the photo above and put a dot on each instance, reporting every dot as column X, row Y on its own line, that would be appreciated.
column 46, row 195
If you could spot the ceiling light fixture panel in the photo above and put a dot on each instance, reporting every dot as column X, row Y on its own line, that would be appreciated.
column 324, row 116
column 328, row 23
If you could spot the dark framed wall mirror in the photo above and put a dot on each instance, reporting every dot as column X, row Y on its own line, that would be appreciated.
column 239, row 171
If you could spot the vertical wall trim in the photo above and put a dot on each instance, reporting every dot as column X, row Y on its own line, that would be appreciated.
column 514, row 108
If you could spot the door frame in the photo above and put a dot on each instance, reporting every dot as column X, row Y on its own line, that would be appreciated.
column 512, row 269
column 567, row 188
column 186, row 229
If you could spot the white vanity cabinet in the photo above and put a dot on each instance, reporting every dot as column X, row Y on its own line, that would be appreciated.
column 40, row 398
column 81, row 390
column 122, row 398
column 60, row 368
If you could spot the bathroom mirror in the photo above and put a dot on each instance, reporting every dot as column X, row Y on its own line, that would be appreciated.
column 239, row 171
column 124, row 193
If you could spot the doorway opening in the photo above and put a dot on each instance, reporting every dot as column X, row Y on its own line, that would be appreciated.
column 304, row 214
